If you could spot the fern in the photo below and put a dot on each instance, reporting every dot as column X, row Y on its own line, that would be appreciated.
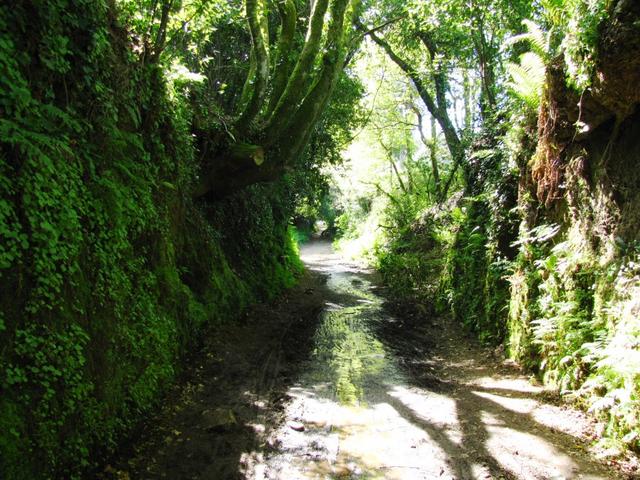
column 527, row 78
column 537, row 38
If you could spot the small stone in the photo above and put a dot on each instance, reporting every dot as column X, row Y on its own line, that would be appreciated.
column 218, row 419
column 297, row 426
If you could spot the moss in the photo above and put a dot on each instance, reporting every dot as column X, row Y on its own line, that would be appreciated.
column 612, row 389
column 573, row 319
column 110, row 272
column 520, row 346
column 13, row 442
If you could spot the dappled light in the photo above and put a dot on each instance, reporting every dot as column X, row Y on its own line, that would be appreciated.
column 296, row 239
column 354, row 411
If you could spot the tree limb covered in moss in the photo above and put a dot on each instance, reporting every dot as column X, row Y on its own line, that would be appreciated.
column 257, row 81
column 305, row 93
column 283, row 64
column 301, row 124
column 298, row 82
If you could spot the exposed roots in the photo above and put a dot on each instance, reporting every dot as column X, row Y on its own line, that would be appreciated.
column 547, row 168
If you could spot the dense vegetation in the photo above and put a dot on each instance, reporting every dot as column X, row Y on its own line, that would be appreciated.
column 111, row 258
column 516, row 212
column 153, row 154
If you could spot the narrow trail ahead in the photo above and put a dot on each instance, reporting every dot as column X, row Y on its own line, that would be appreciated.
column 326, row 383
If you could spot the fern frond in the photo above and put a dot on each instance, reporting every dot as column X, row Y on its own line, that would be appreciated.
column 527, row 78
column 537, row 38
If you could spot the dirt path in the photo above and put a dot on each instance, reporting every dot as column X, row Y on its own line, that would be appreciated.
column 326, row 383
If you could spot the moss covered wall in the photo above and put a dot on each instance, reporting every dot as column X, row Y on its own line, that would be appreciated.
column 574, row 312
column 108, row 268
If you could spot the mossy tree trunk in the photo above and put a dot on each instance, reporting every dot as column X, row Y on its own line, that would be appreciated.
column 282, row 101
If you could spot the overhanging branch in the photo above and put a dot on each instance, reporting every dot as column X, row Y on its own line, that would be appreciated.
column 256, row 83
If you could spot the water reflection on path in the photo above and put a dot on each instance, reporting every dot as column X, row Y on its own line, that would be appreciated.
column 355, row 413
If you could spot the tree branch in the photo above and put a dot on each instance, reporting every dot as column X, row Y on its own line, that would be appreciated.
column 393, row 165
column 439, row 77
column 431, row 145
column 258, row 27
column 440, row 114
column 298, row 81
column 243, row 164
column 300, row 126
column 447, row 185
column 284, row 60
column 159, row 43
column 382, row 26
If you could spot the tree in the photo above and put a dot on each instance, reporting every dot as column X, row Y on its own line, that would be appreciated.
column 269, row 69
column 433, row 93
column 282, row 99
column 440, row 43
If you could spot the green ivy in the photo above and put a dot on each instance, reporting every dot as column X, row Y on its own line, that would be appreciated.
column 109, row 269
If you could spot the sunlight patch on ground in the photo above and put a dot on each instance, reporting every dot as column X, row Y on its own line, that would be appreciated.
column 342, row 441
column 523, row 454
column 356, row 413
column 437, row 409
column 519, row 405
column 506, row 384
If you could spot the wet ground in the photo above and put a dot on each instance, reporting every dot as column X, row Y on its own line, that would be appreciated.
column 327, row 383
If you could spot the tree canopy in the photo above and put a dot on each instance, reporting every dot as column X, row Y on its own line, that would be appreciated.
column 160, row 159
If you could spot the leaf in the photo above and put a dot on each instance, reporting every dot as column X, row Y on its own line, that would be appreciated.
column 537, row 38
column 527, row 78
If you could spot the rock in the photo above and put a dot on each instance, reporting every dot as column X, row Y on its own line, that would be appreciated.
column 297, row 426
column 218, row 420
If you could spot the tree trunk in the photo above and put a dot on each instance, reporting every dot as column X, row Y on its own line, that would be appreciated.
column 439, row 110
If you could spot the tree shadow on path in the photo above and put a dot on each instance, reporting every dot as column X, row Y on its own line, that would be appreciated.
column 498, row 432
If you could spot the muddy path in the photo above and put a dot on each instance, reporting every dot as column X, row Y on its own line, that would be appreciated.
column 327, row 383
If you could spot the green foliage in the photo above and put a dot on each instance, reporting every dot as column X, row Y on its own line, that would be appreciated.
column 452, row 261
column 539, row 41
column 581, row 23
column 575, row 30
column 411, row 273
column 612, row 390
column 474, row 284
column 109, row 270
column 528, row 76
column 48, row 372
column 565, row 303
column 298, row 236
column 571, row 320
column 527, row 79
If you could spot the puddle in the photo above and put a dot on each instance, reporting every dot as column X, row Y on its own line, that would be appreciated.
column 353, row 393
column 354, row 412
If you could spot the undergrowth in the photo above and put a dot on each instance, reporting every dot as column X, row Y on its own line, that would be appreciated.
column 109, row 270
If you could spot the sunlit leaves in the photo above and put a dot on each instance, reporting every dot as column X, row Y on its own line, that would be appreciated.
column 181, row 74
column 583, row 19
column 527, row 79
column 537, row 39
